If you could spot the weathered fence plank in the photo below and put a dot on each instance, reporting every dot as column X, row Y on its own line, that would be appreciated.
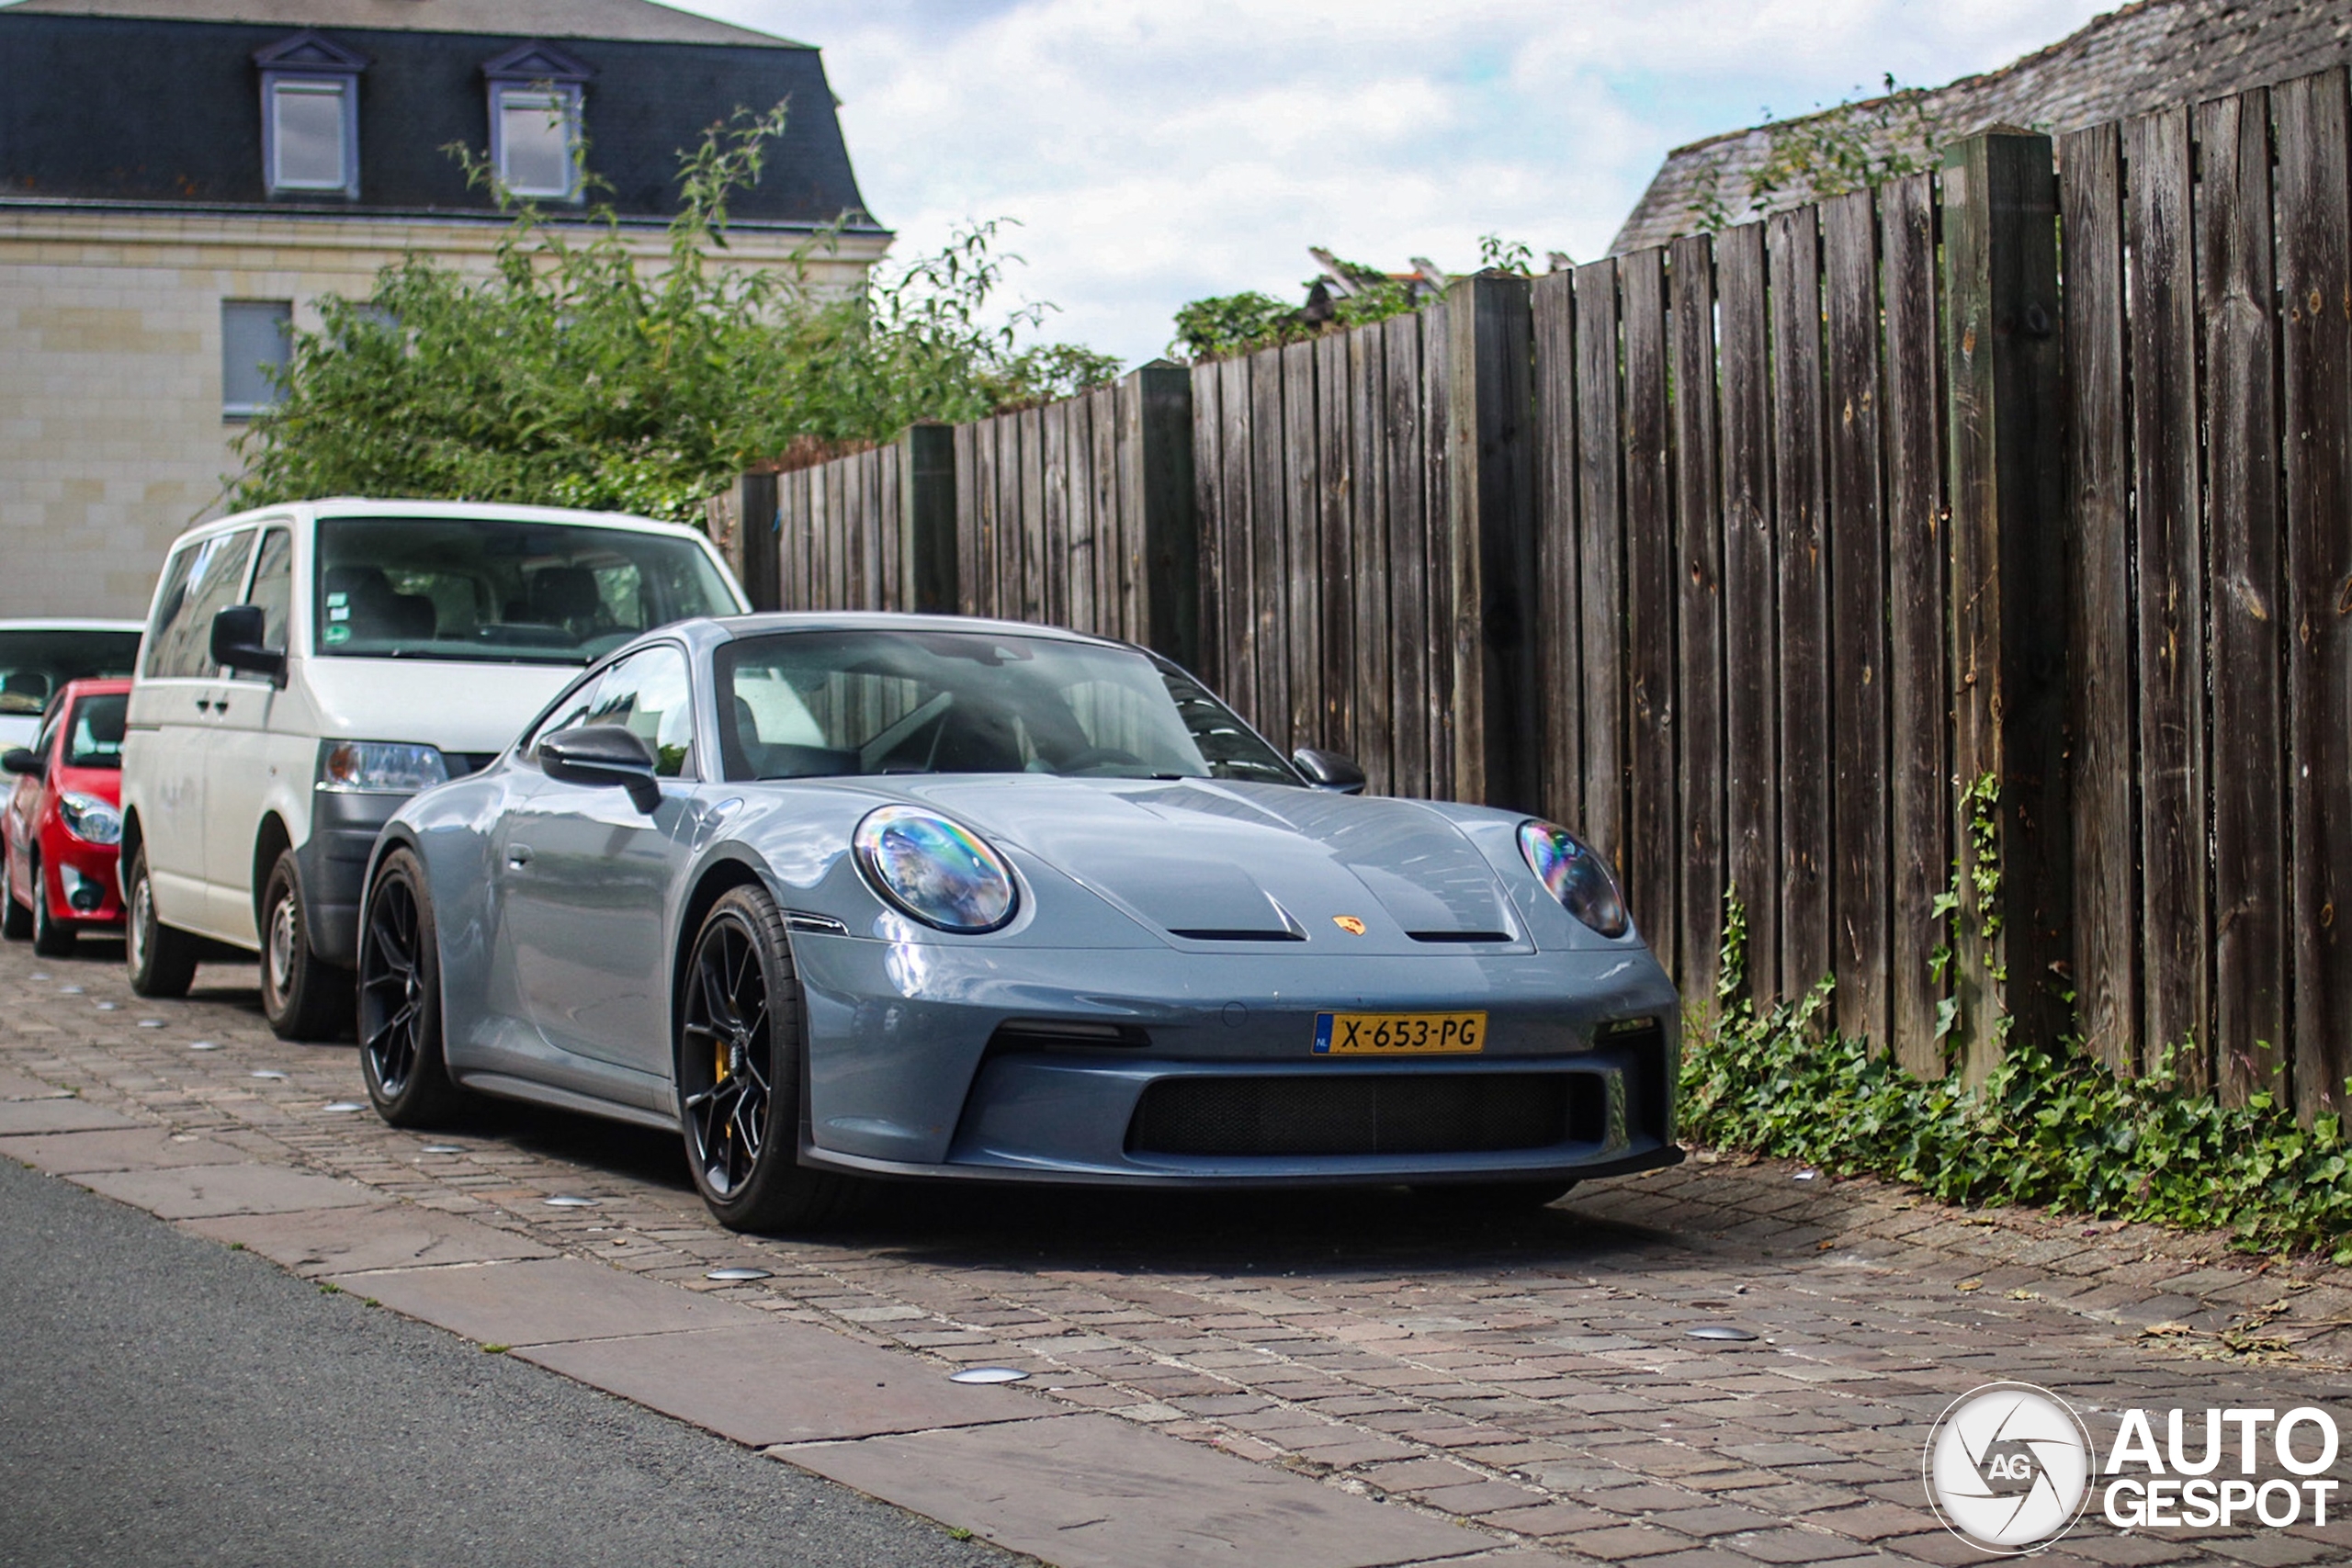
column 1335, row 480
column 2234, row 297
column 1490, row 524
column 1559, row 659
column 1440, row 322
column 1862, row 917
column 1373, row 644
column 1699, row 663
column 2315, row 232
column 1919, row 765
column 2104, row 708
column 1793, row 247
column 1404, row 440
column 1599, row 709
column 2177, row 994
column 1303, row 548
column 1751, row 636
column 1269, row 547
column 1053, row 504
column 1651, row 831
column 1237, row 562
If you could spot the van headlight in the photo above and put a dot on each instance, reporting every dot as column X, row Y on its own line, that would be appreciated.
column 938, row 871
column 90, row 819
column 380, row 767
column 1576, row 876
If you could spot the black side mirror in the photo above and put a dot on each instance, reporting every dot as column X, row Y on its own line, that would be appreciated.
column 1333, row 771
column 236, row 642
column 604, row 755
column 24, row 762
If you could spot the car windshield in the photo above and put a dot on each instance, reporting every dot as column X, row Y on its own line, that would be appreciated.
column 95, row 739
column 509, row 592
column 34, row 664
column 817, row 705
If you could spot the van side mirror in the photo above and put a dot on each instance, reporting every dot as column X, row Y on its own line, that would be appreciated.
column 24, row 762
column 603, row 754
column 236, row 642
column 1333, row 771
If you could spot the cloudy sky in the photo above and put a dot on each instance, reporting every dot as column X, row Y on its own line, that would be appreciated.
column 1156, row 150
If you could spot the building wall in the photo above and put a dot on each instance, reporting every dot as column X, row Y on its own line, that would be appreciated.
column 112, row 438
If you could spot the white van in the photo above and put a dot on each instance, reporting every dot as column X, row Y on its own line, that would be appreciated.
column 306, row 668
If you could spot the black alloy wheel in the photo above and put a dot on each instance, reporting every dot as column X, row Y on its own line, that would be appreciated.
column 50, row 940
column 400, row 1000
column 16, row 920
column 740, row 1072
column 303, row 995
column 162, row 958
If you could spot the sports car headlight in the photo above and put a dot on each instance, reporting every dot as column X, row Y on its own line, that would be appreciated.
column 90, row 819
column 1576, row 876
column 380, row 767
column 940, row 871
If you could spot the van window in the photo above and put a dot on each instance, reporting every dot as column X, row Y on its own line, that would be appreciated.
column 508, row 591
column 209, row 582
column 273, row 587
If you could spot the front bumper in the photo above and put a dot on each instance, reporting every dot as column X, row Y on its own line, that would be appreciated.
column 81, row 881
column 332, row 867
column 929, row 1060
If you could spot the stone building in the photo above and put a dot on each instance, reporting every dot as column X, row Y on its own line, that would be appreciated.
column 181, row 178
column 2130, row 60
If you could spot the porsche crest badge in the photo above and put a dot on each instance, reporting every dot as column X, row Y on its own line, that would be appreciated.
column 1349, row 924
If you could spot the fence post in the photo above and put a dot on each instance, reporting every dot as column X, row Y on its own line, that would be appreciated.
column 2004, row 367
column 753, row 556
column 1490, row 516
column 1156, row 505
column 927, row 518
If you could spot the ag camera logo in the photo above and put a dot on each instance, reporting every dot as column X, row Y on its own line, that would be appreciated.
column 2008, row 1468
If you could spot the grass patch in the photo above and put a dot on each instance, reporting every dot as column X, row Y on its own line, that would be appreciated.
column 2048, row 1126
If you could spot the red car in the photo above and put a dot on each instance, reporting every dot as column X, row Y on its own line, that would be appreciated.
column 63, row 829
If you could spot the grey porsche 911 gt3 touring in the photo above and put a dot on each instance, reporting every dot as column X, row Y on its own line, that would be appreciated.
column 842, row 896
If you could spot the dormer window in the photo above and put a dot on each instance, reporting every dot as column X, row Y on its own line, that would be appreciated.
column 534, row 103
column 309, row 116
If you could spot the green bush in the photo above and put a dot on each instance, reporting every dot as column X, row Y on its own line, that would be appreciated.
column 2050, row 1125
column 578, row 374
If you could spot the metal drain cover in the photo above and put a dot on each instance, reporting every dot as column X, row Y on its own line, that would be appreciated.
column 1720, row 1331
column 737, row 1275
column 989, row 1374
column 570, row 1202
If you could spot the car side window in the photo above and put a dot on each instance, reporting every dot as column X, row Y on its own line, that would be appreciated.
column 648, row 695
column 181, row 644
column 273, row 587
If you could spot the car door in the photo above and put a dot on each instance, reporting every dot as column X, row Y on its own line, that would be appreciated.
column 236, row 770
column 587, row 878
column 167, row 748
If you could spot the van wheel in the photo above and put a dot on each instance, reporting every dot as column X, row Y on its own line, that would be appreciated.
column 16, row 920
column 303, row 997
column 50, row 939
column 163, row 961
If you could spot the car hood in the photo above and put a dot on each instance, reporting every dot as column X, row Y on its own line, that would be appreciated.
column 1211, row 861
column 456, row 705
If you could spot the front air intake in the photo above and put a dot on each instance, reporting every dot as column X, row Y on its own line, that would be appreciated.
column 1396, row 1114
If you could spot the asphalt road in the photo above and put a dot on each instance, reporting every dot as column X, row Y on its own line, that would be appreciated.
column 164, row 1400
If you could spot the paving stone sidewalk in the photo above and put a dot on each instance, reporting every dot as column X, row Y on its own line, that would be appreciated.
column 1531, row 1380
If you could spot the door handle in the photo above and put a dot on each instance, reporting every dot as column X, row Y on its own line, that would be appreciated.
column 204, row 704
column 518, row 855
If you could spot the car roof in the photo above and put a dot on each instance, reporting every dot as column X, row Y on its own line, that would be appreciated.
column 511, row 511
column 70, row 624
column 729, row 627
column 93, row 686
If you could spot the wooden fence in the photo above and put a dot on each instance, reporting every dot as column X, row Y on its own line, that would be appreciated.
column 1986, row 635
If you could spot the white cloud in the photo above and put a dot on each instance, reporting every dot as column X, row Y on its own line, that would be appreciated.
column 1155, row 151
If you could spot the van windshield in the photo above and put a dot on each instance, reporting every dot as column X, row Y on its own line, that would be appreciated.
column 500, row 590
column 35, row 663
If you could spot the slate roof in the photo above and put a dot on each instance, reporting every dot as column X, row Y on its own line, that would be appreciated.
column 643, row 21
column 2127, row 62
column 157, row 103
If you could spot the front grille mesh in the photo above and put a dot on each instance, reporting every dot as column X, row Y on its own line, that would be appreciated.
column 1367, row 1114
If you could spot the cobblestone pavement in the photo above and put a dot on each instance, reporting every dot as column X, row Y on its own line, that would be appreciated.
column 1533, row 1378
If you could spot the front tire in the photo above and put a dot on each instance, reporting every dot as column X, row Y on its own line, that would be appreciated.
column 161, row 960
column 400, row 1000
column 50, row 940
column 304, row 996
column 740, row 1073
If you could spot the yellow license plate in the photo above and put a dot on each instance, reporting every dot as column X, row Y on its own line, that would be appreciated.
column 1399, row 1033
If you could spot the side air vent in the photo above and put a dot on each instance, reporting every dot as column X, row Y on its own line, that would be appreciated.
column 1064, row 1034
column 1459, row 936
